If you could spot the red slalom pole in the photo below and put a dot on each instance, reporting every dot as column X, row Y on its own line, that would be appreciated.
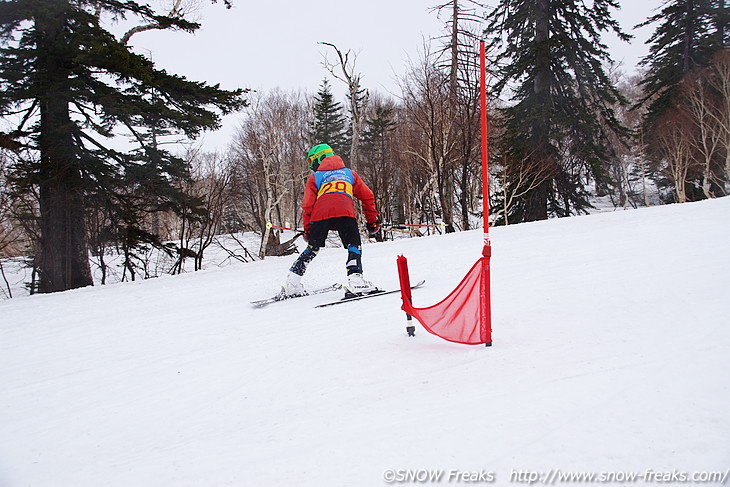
column 485, row 284
column 405, row 292
column 485, row 148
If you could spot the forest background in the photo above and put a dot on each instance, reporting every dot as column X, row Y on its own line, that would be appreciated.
column 101, row 158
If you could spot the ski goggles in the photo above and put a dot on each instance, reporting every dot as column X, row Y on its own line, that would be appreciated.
column 318, row 155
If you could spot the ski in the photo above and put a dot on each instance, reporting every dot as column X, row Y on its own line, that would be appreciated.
column 379, row 292
column 283, row 297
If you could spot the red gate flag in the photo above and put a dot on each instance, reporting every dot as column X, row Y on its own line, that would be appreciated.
column 465, row 316
column 459, row 318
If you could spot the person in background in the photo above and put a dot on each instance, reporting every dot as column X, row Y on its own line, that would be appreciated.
column 328, row 205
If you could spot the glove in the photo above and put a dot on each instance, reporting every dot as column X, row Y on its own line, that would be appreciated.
column 373, row 229
column 305, row 236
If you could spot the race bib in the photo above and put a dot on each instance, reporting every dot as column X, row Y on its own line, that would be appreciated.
column 338, row 181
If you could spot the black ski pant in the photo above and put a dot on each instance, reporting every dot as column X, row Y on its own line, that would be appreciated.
column 349, row 234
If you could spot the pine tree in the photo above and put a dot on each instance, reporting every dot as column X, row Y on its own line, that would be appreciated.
column 375, row 135
column 376, row 156
column 683, row 41
column 69, row 84
column 557, row 125
column 722, row 18
column 330, row 124
column 688, row 35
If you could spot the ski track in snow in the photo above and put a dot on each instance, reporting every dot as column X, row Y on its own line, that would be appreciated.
column 611, row 353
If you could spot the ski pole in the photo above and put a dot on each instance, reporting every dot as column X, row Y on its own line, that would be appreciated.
column 270, row 225
column 407, row 225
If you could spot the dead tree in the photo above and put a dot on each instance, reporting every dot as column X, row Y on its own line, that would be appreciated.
column 674, row 145
column 516, row 180
column 427, row 106
column 720, row 81
column 706, row 143
column 344, row 71
column 460, row 58
column 268, row 152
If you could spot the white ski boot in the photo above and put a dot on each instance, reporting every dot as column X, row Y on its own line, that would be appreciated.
column 293, row 286
column 357, row 286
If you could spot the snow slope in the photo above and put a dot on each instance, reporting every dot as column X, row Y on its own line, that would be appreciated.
column 611, row 354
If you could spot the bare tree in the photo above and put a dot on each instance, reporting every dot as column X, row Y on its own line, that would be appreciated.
column 344, row 70
column 268, row 154
column 463, row 31
column 18, row 217
column 11, row 235
column 707, row 139
column 427, row 105
column 212, row 176
column 631, row 171
column 516, row 180
column 674, row 144
column 720, row 82
column 463, row 21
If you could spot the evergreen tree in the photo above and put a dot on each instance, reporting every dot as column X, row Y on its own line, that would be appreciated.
column 377, row 147
column 688, row 34
column 69, row 84
column 722, row 19
column 330, row 124
column 375, row 135
column 557, row 126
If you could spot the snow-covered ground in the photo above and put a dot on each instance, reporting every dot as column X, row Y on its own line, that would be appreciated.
column 611, row 356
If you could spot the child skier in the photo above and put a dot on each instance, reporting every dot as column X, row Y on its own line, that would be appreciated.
column 328, row 205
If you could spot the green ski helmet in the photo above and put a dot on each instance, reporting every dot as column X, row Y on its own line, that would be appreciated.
column 317, row 153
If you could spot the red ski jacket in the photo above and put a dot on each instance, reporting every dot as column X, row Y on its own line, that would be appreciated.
column 329, row 194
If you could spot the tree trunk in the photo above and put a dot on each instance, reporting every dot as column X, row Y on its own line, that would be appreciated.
column 464, row 196
column 357, row 113
column 453, row 82
column 722, row 24
column 63, row 259
column 536, row 204
column 446, row 200
column 689, row 32
column 268, row 205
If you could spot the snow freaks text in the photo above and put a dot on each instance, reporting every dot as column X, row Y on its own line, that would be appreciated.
column 553, row 477
column 426, row 476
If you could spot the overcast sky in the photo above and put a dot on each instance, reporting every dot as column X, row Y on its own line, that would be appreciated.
column 263, row 45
